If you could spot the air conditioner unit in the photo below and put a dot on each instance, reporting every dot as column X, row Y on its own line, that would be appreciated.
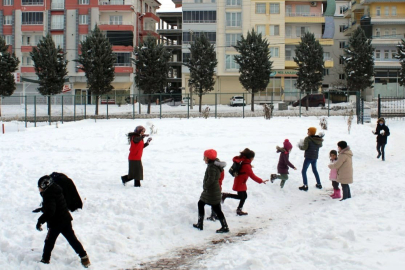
column 313, row 4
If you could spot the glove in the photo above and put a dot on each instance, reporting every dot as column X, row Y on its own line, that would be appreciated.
column 148, row 141
column 37, row 210
column 39, row 226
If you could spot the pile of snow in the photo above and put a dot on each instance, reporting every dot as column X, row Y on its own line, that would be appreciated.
column 120, row 227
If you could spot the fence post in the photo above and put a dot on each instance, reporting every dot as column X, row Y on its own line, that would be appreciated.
column 300, row 103
column 74, row 110
column 329, row 104
column 25, row 97
column 188, row 106
column 35, row 111
column 362, row 111
column 160, row 105
column 108, row 99
column 216, row 105
column 379, row 106
column 50, row 111
column 243, row 107
column 139, row 104
column 133, row 106
column 62, row 109
column 85, row 107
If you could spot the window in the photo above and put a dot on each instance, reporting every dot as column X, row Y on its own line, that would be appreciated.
column 123, row 59
column 57, row 22
column 325, row 71
column 206, row 16
column 8, row 20
column 377, row 32
column 274, row 52
column 230, row 62
column 300, row 31
column 386, row 11
column 326, row 56
column 386, row 32
column 341, row 60
column 197, row 1
column 234, row 19
column 393, row 53
column 302, row 10
column 32, row 2
column 116, row 20
column 377, row 54
column 260, row 8
column 188, row 38
column 261, row 29
column 8, row 2
column 394, row 31
column 274, row 8
column 186, row 57
column 342, row 76
column 8, row 39
column 31, row 40
column 32, row 17
column 288, row 54
column 82, row 38
column 232, row 39
column 274, row 30
column 386, row 54
column 27, row 61
column 288, row 10
column 342, row 44
column 83, row 19
column 378, row 11
column 342, row 28
column 83, row 2
column 58, row 4
column 341, row 10
column 394, row 11
column 58, row 39
column 233, row 2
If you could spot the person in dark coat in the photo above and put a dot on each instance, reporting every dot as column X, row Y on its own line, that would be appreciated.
column 135, row 168
column 311, row 146
column 283, row 163
column 211, row 194
column 239, row 184
column 58, row 219
column 382, row 132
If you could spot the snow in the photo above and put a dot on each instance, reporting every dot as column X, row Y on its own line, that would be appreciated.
column 120, row 227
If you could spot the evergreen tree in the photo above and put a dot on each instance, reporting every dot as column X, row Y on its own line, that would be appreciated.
column 151, row 67
column 8, row 64
column 359, row 62
column 97, row 61
column 309, row 58
column 254, row 63
column 50, row 67
column 401, row 57
column 202, row 64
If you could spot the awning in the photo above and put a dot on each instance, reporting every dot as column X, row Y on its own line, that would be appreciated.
column 116, row 85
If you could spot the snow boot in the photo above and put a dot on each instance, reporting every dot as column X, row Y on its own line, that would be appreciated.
column 137, row 183
column 239, row 212
column 213, row 216
column 304, row 188
column 318, row 186
column 273, row 177
column 45, row 261
column 224, row 196
column 336, row 194
column 85, row 261
column 379, row 155
column 124, row 179
column 199, row 224
column 224, row 226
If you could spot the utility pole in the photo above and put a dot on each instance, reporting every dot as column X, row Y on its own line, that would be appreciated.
column 190, row 87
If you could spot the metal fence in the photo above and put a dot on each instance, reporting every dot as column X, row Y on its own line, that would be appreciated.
column 389, row 107
column 34, row 108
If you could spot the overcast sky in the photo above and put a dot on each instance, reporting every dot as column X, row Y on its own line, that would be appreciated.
column 167, row 5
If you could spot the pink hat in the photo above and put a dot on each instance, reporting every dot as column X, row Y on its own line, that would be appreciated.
column 287, row 145
column 210, row 154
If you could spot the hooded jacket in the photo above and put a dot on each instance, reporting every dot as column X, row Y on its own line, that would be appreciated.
column 382, row 138
column 211, row 187
column 245, row 172
column 311, row 146
column 283, row 162
column 344, row 166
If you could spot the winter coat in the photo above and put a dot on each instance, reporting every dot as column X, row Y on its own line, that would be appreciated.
column 211, row 189
column 333, row 172
column 283, row 162
column 344, row 166
column 311, row 146
column 136, row 148
column 382, row 139
column 239, row 183
column 54, row 207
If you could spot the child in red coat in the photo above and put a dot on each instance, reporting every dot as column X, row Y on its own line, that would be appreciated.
column 239, row 185
column 283, row 163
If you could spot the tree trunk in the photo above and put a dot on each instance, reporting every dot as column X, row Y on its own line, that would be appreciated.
column 0, row 104
column 49, row 105
column 307, row 102
column 97, row 97
column 200, row 98
column 253, row 102
column 191, row 97
column 149, row 103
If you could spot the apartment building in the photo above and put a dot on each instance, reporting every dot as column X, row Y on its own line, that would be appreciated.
column 384, row 22
column 125, row 22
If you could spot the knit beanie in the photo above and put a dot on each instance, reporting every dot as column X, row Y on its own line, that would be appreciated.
column 312, row 131
column 381, row 119
column 287, row 145
column 211, row 154
column 138, row 129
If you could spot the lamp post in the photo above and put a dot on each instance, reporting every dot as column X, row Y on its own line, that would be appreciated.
column 190, row 87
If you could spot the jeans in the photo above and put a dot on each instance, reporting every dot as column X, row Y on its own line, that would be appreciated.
column 215, row 208
column 346, row 191
column 380, row 149
column 335, row 185
column 242, row 196
column 307, row 162
column 67, row 231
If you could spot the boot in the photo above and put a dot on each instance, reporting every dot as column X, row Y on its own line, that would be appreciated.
column 137, row 183
column 124, row 179
column 239, row 212
column 333, row 194
column 336, row 194
column 224, row 228
column 213, row 216
column 282, row 183
column 224, row 196
column 273, row 177
column 45, row 261
column 304, row 188
column 200, row 222
column 319, row 186
column 85, row 261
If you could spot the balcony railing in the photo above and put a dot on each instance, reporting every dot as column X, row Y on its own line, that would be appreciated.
column 114, row 2
column 198, row 2
column 398, row 36
column 57, row 26
column 115, row 23
column 200, row 21
column 291, row 58
column 189, row 42
column 58, row 6
column 32, row 22
column 386, row 59
column 303, row 14
column 345, row 8
column 32, row 3
column 383, row 16
column 299, row 36
column 122, row 64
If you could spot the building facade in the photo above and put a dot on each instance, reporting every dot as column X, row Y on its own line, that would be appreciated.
column 124, row 22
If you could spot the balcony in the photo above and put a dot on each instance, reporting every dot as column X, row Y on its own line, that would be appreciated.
column 295, row 39
column 347, row 12
column 304, row 17
column 115, row 5
column 149, row 16
column 197, row 2
column 57, row 6
column 58, row 26
column 289, row 62
column 32, row 27
column 32, row 3
column 357, row 6
column 385, row 19
column 387, row 63
column 387, row 39
column 116, row 26
column 123, row 68
column 145, row 33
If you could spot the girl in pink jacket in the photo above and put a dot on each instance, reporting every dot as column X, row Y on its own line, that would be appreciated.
column 333, row 176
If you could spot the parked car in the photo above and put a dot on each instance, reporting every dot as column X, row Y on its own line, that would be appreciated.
column 186, row 100
column 315, row 100
column 237, row 101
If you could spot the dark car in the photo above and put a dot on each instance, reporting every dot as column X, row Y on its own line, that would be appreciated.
column 315, row 100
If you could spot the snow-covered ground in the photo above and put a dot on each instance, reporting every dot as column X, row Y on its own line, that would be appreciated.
column 121, row 227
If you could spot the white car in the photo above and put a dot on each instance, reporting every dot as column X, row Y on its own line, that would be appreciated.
column 186, row 100
column 237, row 101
